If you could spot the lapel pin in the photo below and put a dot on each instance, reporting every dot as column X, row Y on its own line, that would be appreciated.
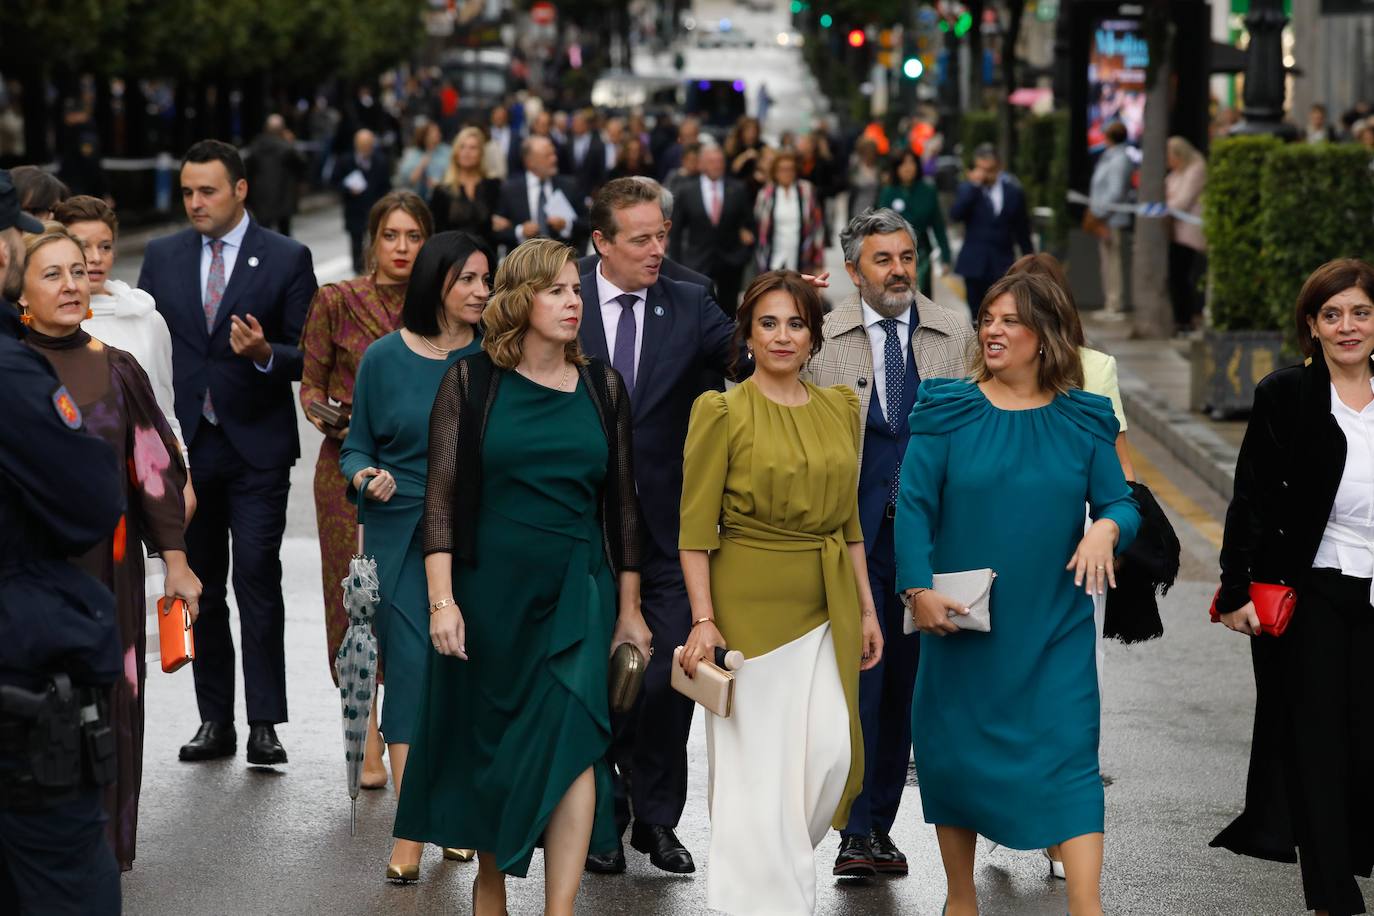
column 253, row 261
column 658, row 310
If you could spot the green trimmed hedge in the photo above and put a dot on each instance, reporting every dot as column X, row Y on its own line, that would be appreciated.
column 976, row 128
column 1318, row 204
column 1042, row 166
column 1230, row 211
column 1272, row 214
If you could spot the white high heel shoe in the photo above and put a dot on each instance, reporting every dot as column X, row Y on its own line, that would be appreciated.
column 1056, row 867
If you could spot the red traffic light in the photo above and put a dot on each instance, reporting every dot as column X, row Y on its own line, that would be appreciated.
column 857, row 38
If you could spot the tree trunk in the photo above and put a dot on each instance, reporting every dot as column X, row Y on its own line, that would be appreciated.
column 1153, row 316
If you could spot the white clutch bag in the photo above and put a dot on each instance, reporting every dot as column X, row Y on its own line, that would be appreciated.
column 971, row 588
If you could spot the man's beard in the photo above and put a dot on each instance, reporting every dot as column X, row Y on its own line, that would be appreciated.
column 887, row 303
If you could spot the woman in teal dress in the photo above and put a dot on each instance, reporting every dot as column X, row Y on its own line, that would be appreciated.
column 1005, row 723
column 388, row 441
column 918, row 203
column 530, row 519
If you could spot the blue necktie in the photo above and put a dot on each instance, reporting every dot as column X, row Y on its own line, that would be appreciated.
column 623, row 359
column 894, row 374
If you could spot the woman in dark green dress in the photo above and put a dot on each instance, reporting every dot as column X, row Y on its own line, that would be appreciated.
column 916, row 200
column 530, row 518
column 388, row 440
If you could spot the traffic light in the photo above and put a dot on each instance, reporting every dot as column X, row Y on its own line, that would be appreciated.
column 827, row 20
column 912, row 68
column 857, row 38
column 963, row 24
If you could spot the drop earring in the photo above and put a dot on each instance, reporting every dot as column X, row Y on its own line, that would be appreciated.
column 24, row 317
column 90, row 313
column 750, row 353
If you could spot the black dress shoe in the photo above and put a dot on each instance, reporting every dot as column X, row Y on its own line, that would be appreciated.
column 611, row 863
column 664, row 848
column 856, row 857
column 213, row 740
column 264, row 749
column 887, row 858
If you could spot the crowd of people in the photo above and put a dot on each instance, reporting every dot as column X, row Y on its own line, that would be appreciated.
column 722, row 463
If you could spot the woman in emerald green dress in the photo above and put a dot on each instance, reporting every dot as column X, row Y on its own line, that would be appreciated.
column 917, row 202
column 388, row 441
column 531, row 542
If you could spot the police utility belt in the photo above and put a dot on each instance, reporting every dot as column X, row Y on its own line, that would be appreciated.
column 56, row 741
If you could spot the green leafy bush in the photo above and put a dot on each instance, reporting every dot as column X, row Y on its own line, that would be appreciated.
column 1042, row 166
column 977, row 128
column 1231, row 220
column 1318, row 204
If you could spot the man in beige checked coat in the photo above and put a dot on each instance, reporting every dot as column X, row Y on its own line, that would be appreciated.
column 881, row 344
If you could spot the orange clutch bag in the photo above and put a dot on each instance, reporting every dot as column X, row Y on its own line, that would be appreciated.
column 175, row 635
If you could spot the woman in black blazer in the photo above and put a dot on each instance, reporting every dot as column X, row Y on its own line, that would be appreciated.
column 1303, row 516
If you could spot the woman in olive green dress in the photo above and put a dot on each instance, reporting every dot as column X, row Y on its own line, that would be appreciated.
column 917, row 202
column 774, row 562
column 530, row 519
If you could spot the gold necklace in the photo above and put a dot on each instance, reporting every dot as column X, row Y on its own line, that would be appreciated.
column 435, row 348
column 562, row 380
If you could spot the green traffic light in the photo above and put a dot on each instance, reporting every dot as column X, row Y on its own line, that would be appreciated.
column 962, row 26
column 912, row 68
column 796, row 6
column 944, row 26
column 827, row 20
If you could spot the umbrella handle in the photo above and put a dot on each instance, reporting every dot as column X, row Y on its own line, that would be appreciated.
column 362, row 498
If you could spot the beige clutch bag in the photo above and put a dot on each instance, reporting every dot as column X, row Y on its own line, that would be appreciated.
column 713, row 687
column 973, row 588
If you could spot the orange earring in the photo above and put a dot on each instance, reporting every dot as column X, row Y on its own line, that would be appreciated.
column 90, row 313
column 25, row 318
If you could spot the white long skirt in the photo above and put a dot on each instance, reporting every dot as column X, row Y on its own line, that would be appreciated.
column 778, row 770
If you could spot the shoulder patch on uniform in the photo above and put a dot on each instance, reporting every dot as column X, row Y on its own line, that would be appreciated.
column 66, row 408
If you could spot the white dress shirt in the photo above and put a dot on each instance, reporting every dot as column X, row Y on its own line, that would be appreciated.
column 787, row 227
column 877, row 340
column 1348, row 542
column 532, row 184
column 709, row 189
column 580, row 146
column 995, row 195
column 233, row 242
column 606, row 293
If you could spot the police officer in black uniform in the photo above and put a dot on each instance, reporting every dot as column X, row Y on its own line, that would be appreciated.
column 59, row 649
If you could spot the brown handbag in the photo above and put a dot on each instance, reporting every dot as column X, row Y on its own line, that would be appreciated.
column 334, row 417
column 626, row 676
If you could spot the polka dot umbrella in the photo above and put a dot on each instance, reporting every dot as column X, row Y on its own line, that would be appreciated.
column 356, row 661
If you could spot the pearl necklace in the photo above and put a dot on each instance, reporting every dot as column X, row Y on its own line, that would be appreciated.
column 435, row 348
column 562, row 380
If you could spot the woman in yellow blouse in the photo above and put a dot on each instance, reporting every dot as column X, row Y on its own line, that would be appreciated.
column 774, row 563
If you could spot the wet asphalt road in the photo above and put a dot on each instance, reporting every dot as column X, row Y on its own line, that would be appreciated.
column 220, row 838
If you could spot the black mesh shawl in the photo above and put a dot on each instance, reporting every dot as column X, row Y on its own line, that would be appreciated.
column 457, row 424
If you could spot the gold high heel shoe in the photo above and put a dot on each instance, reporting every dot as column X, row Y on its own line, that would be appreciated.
column 403, row 874
column 454, row 854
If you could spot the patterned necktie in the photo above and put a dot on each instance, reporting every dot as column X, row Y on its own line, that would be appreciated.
column 894, row 374
column 214, row 293
column 541, row 215
column 623, row 359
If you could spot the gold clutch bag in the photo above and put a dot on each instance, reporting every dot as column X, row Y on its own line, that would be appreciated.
column 626, row 676
column 713, row 687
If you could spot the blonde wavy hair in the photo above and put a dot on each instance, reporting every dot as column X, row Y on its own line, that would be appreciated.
column 451, row 174
column 531, row 268
column 1045, row 310
column 53, row 231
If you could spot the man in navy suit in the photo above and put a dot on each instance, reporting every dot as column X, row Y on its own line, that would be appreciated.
column 363, row 177
column 992, row 207
column 235, row 296
column 667, row 268
column 526, row 199
column 662, row 336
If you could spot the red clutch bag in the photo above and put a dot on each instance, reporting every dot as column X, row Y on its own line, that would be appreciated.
column 1273, row 605
column 175, row 636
